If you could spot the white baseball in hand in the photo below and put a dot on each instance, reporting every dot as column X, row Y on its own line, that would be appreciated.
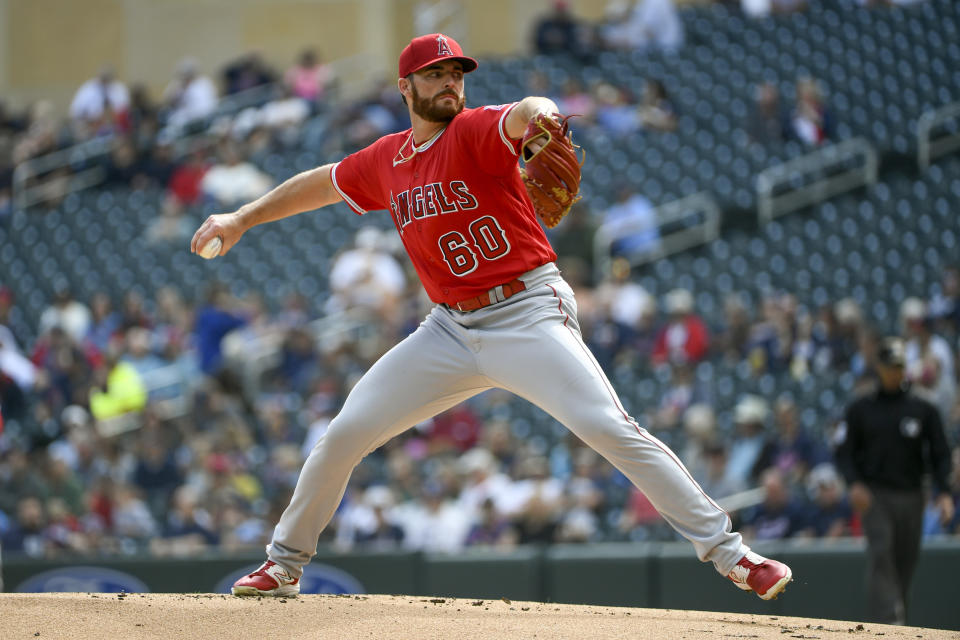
column 212, row 248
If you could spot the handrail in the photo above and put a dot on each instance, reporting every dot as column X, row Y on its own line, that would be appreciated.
column 815, row 166
column 254, row 355
column 927, row 148
column 235, row 102
column 671, row 238
column 26, row 194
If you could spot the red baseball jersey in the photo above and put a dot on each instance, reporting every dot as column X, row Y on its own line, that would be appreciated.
column 457, row 200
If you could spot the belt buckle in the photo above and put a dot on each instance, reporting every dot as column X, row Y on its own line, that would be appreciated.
column 495, row 295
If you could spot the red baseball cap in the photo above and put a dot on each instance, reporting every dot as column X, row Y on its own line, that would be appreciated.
column 431, row 48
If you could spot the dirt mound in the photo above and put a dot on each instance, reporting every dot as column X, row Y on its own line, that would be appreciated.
column 80, row 616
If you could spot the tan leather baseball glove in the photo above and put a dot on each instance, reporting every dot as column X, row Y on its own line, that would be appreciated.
column 552, row 172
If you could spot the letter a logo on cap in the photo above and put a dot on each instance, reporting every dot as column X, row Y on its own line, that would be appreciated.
column 443, row 49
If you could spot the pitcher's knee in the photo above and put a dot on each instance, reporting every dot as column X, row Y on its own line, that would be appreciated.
column 608, row 435
column 344, row 441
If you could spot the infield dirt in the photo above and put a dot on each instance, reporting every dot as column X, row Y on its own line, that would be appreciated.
column 82, row 616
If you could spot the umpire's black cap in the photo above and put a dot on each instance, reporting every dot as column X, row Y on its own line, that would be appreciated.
column 893, row 352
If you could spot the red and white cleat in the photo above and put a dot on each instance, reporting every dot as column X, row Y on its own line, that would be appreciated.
column 269, row 580
column 766, row 577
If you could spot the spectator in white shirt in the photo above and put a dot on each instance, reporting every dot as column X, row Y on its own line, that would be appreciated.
column 190, row 96
column 366, row 276
column 435, row 523
column 615, row 32
column 929, row 359
column 371, row 521
column 14, row 365
column 763, row 8
column 627, row 302
column 100, row 105
column 68, row 314
column 483, row 481
column 234, row 180
column 651, row 24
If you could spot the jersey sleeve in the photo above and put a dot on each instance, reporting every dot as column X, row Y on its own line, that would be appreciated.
column 357, row 179
column 485, row 131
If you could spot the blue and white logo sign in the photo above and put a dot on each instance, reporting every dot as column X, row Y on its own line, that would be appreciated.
column 317, row 578
column 82, row 580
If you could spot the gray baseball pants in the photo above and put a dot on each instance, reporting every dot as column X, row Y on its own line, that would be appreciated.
column 530, row 345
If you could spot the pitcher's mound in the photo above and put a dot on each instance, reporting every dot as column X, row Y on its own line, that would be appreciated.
column 82, row 616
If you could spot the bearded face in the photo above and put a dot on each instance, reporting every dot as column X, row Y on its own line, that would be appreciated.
column 439, row 107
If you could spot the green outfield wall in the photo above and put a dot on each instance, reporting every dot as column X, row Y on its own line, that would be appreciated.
column 829, row 578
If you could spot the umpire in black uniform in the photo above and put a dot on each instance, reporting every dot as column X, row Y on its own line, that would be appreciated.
column 889, row 439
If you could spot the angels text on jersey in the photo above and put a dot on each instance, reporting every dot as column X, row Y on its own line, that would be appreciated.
column 430, row 200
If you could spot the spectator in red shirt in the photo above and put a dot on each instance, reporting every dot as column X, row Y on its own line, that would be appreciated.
column 456, row 429
column 684, row 339
column 184, row 184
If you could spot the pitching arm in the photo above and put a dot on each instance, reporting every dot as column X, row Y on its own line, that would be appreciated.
column 303, row 192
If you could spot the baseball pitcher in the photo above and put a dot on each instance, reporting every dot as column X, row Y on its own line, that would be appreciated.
column 470, row 220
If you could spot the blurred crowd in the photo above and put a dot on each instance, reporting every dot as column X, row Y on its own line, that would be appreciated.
column 172, row 426
column 646, row 25
column 137, row 424
column 249, row 102
column 248, row 98
column 655, row 25
column 205, row 138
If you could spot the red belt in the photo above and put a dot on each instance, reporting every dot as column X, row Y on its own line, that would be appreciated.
column 495, row 295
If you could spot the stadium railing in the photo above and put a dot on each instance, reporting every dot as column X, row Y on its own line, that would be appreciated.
column 85, row 160
column 39, row 179
column 933, row 122
column 35, row 180
column 681, row 224
column 815, row 177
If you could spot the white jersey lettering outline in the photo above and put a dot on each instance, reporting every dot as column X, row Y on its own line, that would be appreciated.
column 430, row 200
column 491, row 244
column 465, row 200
